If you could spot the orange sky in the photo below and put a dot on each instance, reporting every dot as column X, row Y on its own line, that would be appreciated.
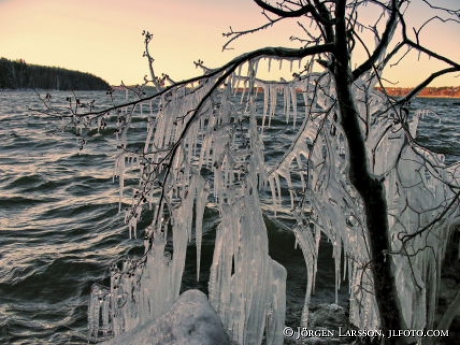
column 104, row 37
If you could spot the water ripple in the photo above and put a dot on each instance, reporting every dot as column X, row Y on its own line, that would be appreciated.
column 60, row 229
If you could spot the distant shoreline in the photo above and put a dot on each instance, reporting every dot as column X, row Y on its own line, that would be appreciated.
column 428, row 92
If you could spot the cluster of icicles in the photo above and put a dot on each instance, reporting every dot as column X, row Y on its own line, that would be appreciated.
column 204, row 147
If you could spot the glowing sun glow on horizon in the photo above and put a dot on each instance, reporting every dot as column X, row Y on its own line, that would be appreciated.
column 104, row 37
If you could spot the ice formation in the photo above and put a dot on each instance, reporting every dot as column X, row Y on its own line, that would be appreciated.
column 204, row 147
column 190, row 321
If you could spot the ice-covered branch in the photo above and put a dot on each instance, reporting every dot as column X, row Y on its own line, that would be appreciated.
column 352, row 172
column 280, row 52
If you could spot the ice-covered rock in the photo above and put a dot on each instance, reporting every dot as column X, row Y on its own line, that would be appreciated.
column 328, row 316
column 190, row 321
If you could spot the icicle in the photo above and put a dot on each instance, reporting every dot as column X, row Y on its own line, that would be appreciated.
column 273, row 191
column 266, row 91
column 277, row 312
column 287, row 103
column 291, row 189
column 337, row 253
column 105, row 314
column 120, row 171
column 273, row 96
column 243, row 93
column 278, row 186
column 150, row 127
column 237, row 80
column 93, row 311
column 203, row 193
column 294, row 105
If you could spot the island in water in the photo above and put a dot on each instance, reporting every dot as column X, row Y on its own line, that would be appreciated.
column 17, row 74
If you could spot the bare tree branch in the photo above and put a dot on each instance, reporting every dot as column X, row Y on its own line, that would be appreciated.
column 383, row 45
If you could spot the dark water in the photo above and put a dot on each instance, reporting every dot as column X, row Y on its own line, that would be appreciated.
column 60, row 229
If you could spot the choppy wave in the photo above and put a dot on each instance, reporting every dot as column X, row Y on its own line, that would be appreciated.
column 60, row 229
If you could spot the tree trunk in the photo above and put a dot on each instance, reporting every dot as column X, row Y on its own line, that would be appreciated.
column 368, row 186
column 372, row 193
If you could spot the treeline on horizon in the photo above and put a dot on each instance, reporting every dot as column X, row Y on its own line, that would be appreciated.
column 18, row 74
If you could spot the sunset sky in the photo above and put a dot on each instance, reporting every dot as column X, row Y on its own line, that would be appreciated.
column 104, row 37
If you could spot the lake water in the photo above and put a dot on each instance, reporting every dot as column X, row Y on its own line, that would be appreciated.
column 60, row 229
